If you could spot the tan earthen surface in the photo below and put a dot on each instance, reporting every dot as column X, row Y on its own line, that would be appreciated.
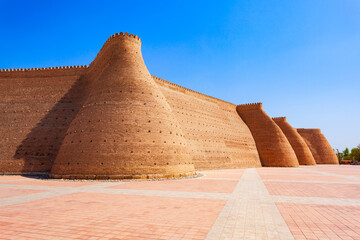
column 273, row 146
column 216, row 136
column 319, row 146
column 301, row 149
column 114, row 120
column 125, row 128
column 36, row 108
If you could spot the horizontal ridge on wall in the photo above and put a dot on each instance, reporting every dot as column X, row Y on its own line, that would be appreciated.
column 42, row 69
column 187, row 89
column 249, row 106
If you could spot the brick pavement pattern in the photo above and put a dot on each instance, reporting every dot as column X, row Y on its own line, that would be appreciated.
column 261, row 203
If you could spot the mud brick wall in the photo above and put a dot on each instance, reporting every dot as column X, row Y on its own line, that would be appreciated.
column 301, row 149
column 114, row 120
column 274, row 148
column 216, row 136
column 319, row 146
column 125, row 128
column 36, row 108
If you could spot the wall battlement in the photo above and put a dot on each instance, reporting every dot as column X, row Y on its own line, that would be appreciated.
column 309, row 130
column 250, row 106
column 279, row 118
column 112, row 119
column 181, row 88
column 41, row 69
column 43, row 72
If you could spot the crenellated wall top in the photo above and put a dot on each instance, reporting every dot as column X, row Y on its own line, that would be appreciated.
column 42, row 69
column 309, row 130
column 249, row 106
column 189, row 90
column 279, row 119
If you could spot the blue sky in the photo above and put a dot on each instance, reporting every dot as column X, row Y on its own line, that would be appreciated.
column 301, row 58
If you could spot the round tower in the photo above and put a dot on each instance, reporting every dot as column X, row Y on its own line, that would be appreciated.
column 125, row 129
column 301, row 149
column 273, row 147
column 319, row 146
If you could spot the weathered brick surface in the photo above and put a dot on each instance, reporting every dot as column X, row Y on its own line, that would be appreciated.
column 319, row 146
column 273, row 146
column 125, row 129
column 114, row 120
column 216, row 136
column 36, row 108
column 301, row 149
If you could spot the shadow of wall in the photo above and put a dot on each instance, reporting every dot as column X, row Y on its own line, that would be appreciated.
column 41, row 145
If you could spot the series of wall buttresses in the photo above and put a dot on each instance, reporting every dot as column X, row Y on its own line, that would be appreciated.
column 113, row 120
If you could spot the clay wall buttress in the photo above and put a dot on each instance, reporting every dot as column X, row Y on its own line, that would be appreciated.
column 125, row 129
column 301, row 149
column 216, row 135
column 36, row 107
column 319, row 146
column 274, row 148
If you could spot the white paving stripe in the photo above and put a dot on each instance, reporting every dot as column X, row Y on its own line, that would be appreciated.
column 250, row 213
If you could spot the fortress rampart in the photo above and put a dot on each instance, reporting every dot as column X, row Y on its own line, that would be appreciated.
column 319, row 146
column 301, row 149
column 273, row 146
column 112, row 119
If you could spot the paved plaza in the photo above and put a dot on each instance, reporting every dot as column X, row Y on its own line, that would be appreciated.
column 310, row 202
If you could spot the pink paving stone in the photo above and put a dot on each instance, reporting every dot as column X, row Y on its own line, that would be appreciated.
column 308, row 221
column 328, row 190
column 285, row 171
column 8, row 177
column 12, row 192
column 40, row 182
column 305, row 178
column 341, row 171
column 185, row 185
column 222, row 175
column 80, row 215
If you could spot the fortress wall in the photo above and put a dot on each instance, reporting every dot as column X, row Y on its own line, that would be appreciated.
column 301, row 149
column 114, row 120
column 125, row 128
column 273, row 146
column 216, row 135
column 36, row 107
column 319, row 146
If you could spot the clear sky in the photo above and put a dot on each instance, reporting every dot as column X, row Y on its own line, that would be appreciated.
column 301, row 58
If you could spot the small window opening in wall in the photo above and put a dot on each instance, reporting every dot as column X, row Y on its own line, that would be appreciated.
column 102, row 163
